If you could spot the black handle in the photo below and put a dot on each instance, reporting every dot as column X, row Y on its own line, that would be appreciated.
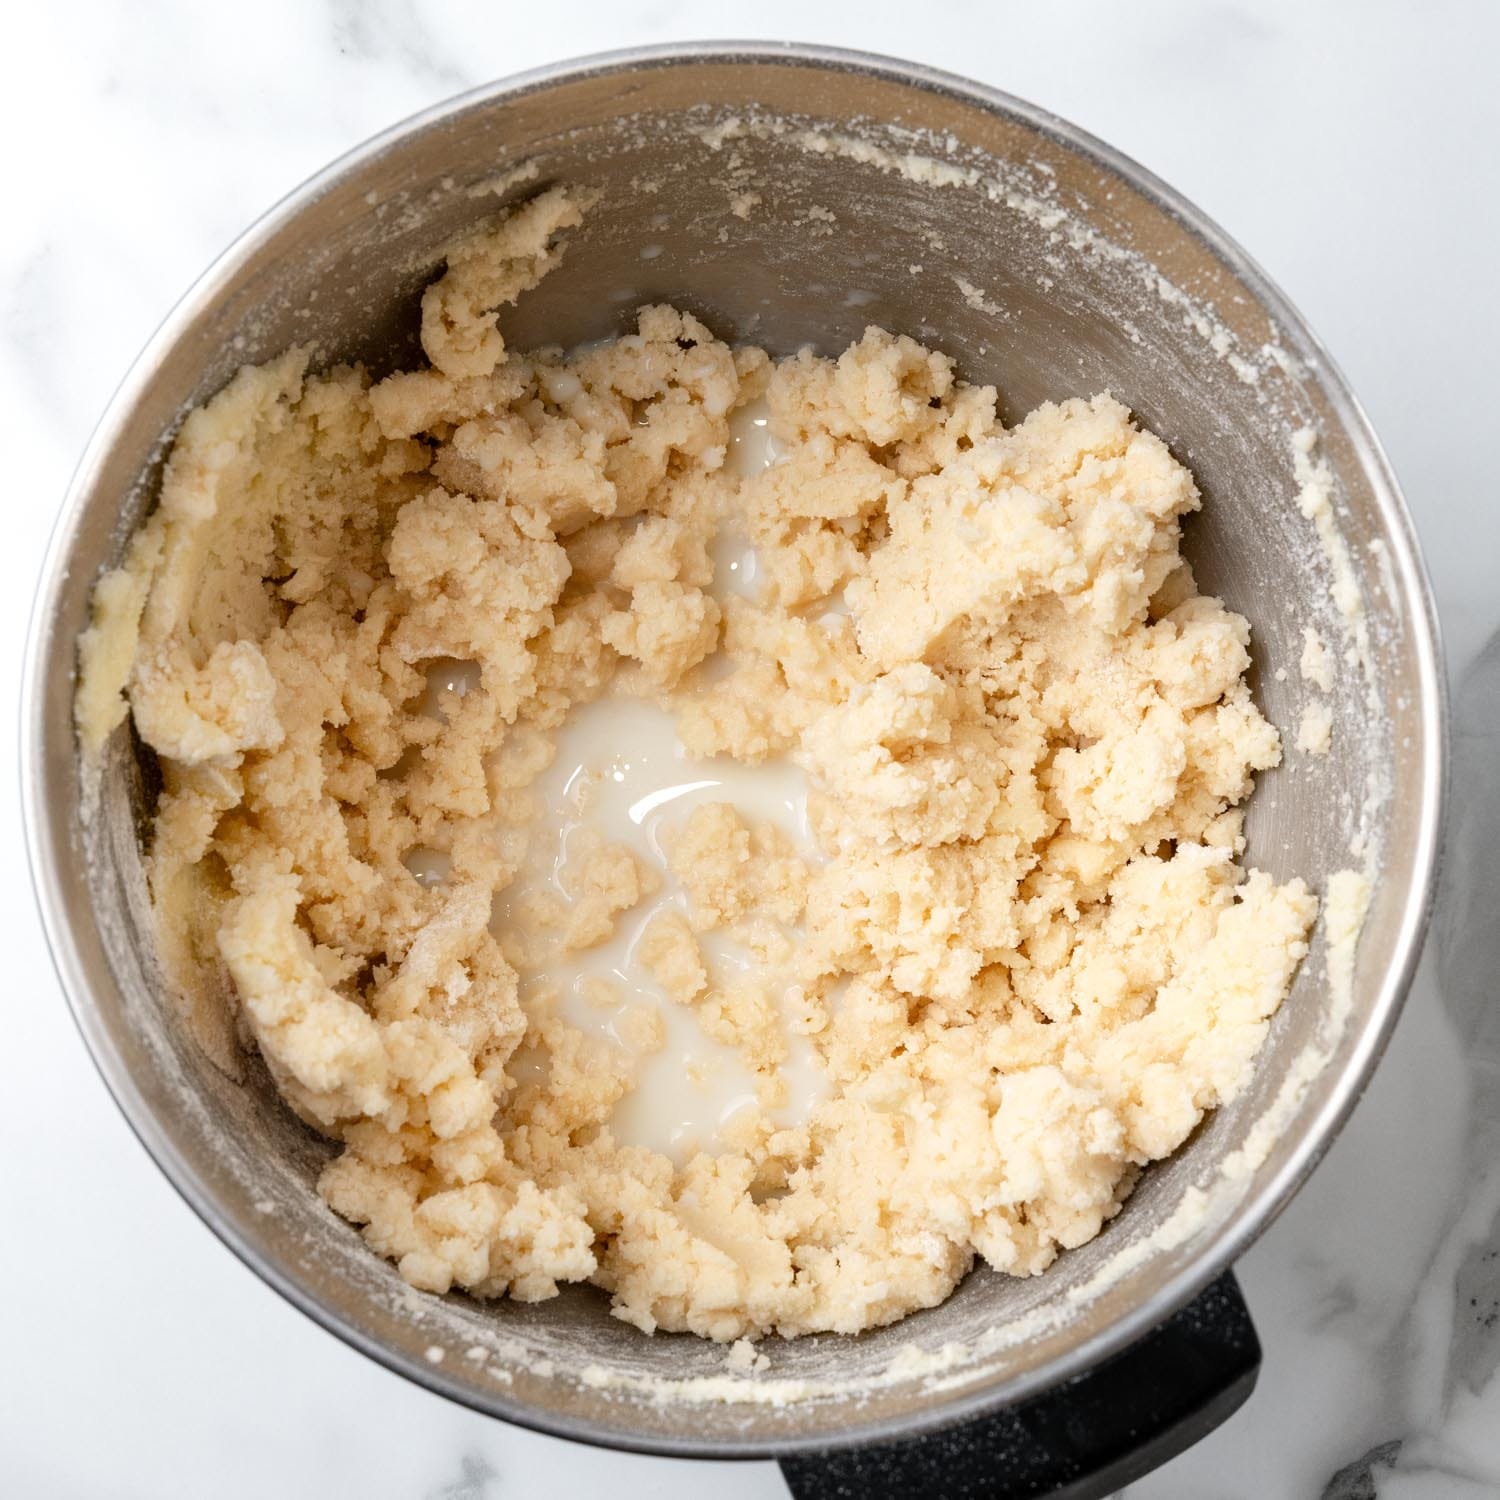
column 1082, row 1440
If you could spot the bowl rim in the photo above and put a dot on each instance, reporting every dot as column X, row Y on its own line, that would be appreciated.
column 1227, row 1240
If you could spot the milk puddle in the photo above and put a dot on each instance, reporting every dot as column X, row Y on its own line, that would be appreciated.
column 620, row 773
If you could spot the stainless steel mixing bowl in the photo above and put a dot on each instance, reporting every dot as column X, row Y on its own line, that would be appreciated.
column 1043, row 261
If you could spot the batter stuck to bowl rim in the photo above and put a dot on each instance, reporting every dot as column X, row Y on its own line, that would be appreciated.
column 1009, row 959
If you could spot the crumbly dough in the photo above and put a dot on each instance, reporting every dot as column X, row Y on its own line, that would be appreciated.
column 1027, row 957
column 1316, row 665
column 1315, row 728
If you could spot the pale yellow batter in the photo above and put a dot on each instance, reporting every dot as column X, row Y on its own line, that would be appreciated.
column 1022, row 950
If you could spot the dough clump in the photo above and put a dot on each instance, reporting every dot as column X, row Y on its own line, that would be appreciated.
column 1027, row 957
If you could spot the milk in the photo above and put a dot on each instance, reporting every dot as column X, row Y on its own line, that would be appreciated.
column 620, row 770
column 752, row 449
column 446, row 674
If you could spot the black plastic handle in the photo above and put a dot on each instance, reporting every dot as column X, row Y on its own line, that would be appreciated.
column 1082, row 1440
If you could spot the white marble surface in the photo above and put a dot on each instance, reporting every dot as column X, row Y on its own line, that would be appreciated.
column 1349, row 146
